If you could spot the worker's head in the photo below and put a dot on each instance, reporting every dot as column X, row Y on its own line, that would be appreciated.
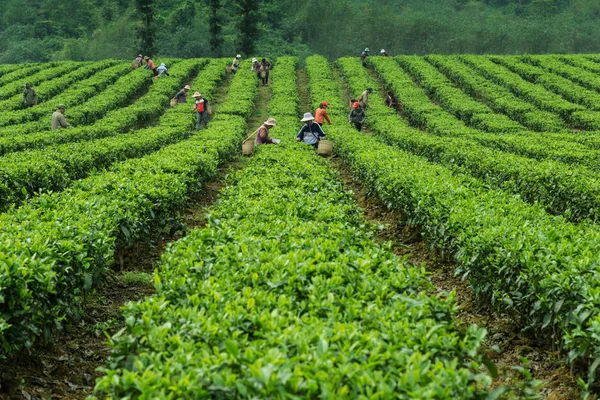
column 254, row 60
column 197, row 95
column 140, row 56
column 324, row 104
column 27, row 85
column 270, row 123
column 186, row 88
column 367, row 50
column 238, row 56
column 146, row 58
column 62, row 108
column 382, row 51
column 264, row 60
column 308, row 118
column 370, row 89
column 356, row 105
column 163, row 65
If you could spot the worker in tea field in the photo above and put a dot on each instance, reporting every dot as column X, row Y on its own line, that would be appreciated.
column 58, row 118
column 391, row 100
column 364, row 55
column 236, row 64
column 321, row 114
column 264, row 71
column 29, row 96
column 162, row 71
column 311, row 132
column 201, row 109
column 256, row 67
column 357, row 116
column 137, row 62
column 262, row 133
column 384, row 53
column 363, row 99
column 150, row 65
column 181, row 96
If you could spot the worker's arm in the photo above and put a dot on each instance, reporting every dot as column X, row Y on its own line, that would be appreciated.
column 300, row 135
column 327, row 118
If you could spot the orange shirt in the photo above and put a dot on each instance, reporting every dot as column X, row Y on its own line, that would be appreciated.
column 321, row 116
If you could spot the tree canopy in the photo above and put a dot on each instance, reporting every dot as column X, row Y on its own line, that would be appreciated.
column 44, row 30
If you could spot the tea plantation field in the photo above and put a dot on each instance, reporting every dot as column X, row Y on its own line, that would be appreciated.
column 285, row 291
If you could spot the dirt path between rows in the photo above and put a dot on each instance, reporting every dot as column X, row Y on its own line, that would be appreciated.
column 506, row 344
column 67, row 368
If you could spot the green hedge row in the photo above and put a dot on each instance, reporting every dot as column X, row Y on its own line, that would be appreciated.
column 538, row 268
column 532, row 145
column 117, row 120
column 43, row 76
column 453, row 99
column 536, row 94
column 497, row 97
column 22, row 72
column 72, row 90
column 8, row 68
column 57, row 246
column 290, row 299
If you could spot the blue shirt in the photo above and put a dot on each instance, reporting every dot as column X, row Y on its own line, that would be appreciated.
column 311, row 134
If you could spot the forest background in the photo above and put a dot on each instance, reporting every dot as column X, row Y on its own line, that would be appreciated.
column 47, row 30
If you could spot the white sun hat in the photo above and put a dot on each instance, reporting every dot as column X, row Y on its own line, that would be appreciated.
column 382, row 51
column 367, row 49
column 307, row 117
column 238, row 56
column 254, row 60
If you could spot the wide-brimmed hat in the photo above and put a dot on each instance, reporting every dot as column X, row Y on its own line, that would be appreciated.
column 146, row 58
column 382, row 51
column 62, row 106
column 307, row 117
column 187, row 87
column 356, row 104
column 162, row 65
column 271, row 122
column 325, row 104
column 139, row 55
column 238, row 56
column 254, row 60
column 367, row 49
column 197, row 94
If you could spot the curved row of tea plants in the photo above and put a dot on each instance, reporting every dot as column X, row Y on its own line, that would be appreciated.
column 269, row 299
column 47, row 90
column 562, row 189
column 69, row 94
column 418, row 107
column 150, row 106
column 538, row 268
column 453, row 99
column 23, row 71
column 497, row 97
column 43, row 76
column 587, row 119
column 72, row 236
column 536, row 94
column 8, row 68
column 53, row 168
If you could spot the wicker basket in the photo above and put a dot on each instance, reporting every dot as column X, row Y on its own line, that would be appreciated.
column 325, row 148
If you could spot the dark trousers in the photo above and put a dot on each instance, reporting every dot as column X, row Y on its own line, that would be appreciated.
column 265, row 80
column 202, row 116
column 358, row 126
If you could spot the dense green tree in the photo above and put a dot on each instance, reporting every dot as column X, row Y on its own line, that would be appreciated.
column 248, row 25
column 147, row 30
column 216, row 28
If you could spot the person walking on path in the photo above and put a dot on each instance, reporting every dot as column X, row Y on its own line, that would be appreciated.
column 391, row 100
column 201, row 109
column 310, row 133
column 58, row 118
column 162, row 71
column 181, row 96
column 257, row 68
column 150, row 65
column 321, row 114
column 363, row 56
column 29, row 96
column 363, row 99
column 262, row 133
column 236, row 64
column 357, row 116
column 384, row 53
column 264, row 71
column 137, row 62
